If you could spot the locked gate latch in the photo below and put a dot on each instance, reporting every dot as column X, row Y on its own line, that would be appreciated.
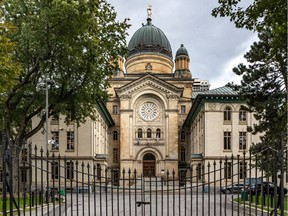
column 139, row 203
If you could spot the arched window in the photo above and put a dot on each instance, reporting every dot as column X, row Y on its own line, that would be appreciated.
column 115, row 109
column 227, row 113
column 149, row 133
column 149, row 157
column 182, row 135
column 115, row 135
column 158, row 133
column 242, row 115
column 140, row 133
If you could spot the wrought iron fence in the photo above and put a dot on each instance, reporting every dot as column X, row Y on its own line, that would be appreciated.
column 42, row 183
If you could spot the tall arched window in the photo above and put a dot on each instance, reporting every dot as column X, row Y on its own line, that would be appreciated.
column 227, row 113
column 242, row 115
column 149, row 133
column 158, row 133
column 139, row 133
column 115, row 135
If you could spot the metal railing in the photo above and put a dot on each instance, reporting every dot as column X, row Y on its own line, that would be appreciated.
column 228, row 186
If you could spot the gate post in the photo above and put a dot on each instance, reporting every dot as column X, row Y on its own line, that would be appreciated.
column 10, row 167
column 4, row 191
column 281, row 160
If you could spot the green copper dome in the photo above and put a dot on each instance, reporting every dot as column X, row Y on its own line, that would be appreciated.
column 182, row 51
column 149, row 38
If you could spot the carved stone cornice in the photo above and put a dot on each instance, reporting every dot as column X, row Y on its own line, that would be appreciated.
column 148, row 81
column 212, row 106
column 173, row 96
column 125, row 97
column 149, row 143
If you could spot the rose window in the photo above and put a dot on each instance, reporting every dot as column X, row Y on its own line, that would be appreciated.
column 148, row 111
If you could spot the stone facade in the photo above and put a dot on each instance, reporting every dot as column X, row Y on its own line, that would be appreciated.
column 217, row 126
column 86, row 144
column 148, row 120
column 153, row 121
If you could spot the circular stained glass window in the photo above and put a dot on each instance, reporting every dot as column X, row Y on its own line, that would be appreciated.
column 148, row 111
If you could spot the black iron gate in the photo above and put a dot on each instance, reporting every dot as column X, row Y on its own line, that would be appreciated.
column 47, row 184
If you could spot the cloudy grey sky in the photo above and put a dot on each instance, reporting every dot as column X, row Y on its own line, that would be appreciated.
column 214, row 45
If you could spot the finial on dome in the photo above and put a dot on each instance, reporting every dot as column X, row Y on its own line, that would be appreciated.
column 149, row 11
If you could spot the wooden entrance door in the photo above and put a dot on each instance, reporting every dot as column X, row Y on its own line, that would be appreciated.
column 149, row 165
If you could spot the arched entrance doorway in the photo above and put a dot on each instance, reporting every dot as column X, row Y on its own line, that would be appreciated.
column 149, row 165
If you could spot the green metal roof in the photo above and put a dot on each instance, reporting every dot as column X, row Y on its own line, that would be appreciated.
column 182, row 51
column 101, row 108
column 224, row 90
column 149, row 38
column 221, row 95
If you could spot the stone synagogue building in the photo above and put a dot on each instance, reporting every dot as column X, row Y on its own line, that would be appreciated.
column 158, row 116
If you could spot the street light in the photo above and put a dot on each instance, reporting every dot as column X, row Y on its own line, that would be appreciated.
column 47, row 82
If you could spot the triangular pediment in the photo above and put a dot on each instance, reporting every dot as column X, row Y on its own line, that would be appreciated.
column 149, row 81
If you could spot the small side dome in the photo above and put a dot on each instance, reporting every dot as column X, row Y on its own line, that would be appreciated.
column 182, row 63
column 182, row 51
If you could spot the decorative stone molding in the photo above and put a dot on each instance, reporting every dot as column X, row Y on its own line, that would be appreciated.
column 148, row 67
column 149, row 143
column 172, row 97
column 148, row 81
column 125, row 97
column 150, row 84
column 212, row 106
column 148, row 111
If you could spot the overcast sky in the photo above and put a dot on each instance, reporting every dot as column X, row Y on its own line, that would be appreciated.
column 214, row 45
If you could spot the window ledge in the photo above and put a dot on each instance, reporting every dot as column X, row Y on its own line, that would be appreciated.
column 227, row 122
column 54, row 150
column 70, row 150
column 242, row 122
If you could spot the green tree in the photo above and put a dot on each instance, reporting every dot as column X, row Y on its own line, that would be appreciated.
column 8, row 68
column 73, row 43
column 264, row 77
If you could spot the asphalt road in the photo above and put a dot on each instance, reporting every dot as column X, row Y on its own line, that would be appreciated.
column 120, row 204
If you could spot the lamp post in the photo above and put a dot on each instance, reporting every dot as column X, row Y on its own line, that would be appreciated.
column 47, row 82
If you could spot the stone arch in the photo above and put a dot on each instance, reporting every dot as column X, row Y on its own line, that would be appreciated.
column 149, row 98
column 149, row 164
column 139, row 133
column 149, row 92
column 239, row 107
column 223, row 106
column 115, row 134
column 140, row 154
column 149, row 112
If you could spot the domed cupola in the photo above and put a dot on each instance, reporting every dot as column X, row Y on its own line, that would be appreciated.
column 182, row 63
column 182, row 51
column 149, row 50
column 149, row 38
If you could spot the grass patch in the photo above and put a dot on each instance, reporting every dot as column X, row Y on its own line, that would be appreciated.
column 22, row 203
column 267, row 202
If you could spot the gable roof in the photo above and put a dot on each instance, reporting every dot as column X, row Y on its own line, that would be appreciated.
column 150, row 80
